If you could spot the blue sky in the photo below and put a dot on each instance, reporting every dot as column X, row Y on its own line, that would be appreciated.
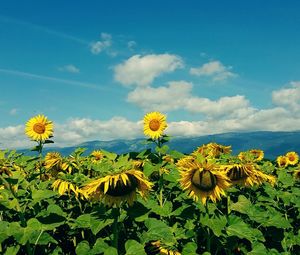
column 95, row 68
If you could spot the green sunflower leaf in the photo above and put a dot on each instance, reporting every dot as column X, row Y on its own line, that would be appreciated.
column 134, row 248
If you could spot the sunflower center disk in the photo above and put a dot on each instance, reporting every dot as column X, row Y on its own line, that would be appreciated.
column 39, row 128
column 120, row 189
column 154, row 125
column 204, row 180
column 236, row 173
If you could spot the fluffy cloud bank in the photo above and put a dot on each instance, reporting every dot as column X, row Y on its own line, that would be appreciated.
column 178, row 95
column 76, row 131
column 288, row 97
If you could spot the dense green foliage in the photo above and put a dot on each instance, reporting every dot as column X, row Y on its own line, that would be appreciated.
column 35, row 219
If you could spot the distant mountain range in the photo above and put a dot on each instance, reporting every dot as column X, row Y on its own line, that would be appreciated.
column 273, row 143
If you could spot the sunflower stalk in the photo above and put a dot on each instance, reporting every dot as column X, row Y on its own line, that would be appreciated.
column 208, row 237
column 115, row 239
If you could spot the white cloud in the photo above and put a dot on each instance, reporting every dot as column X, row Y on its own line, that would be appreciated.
column 167, row 98
column 214, row 69
column 142, row 70
column 69, row 68
column 76, row 131
column 288, row 97
column 178, row 95
column 221, row 107
column 103, row 44
column 13, row 137
column 131, row 45
column 13, row 111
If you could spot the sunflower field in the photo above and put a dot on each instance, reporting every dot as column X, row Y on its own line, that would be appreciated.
column 147, row 202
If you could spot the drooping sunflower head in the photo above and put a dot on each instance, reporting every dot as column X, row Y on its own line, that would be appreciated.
column 297, row 174
column 120, row 179
column 39, row 128
column 212, row 150
column 154, row 124
column 246, row 174
column 292, row 158
column 202, row 180
column 97, row 156
column 251, row 155
column 117, row 188
column 282, row 161
column 52, row 159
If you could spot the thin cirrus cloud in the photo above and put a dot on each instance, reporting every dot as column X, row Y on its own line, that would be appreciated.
column 43, row 29
column 50, row 78
column 142, row 70
column 214, row 70
column 69, row 69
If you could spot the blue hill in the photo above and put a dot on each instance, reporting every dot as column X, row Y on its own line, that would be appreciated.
column 273, row 143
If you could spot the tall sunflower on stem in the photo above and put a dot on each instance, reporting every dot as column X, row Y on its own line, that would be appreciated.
column 154, row 125
column 39, row 129
column 118, row 183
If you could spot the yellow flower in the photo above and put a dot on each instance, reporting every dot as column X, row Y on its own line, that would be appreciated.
column 202, row 180
column 97, row 156
column 62, row 187
column 282, row 161
column 292, row 158
column 257, row 154
column 39, row 128
column 156, row 247
column 154, row 124
column 116, row 188
column 212, row 150
column 246, row 174
column 297, row 174
column 53, row 159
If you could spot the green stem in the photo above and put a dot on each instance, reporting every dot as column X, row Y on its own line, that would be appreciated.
column 228, row 205
column 208, row 237
column 115, row 241
column 40, row 146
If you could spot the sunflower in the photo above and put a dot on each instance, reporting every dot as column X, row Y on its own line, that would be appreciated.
column 257, row 154
column 246, row 174
column 97, row 155
column 292, row 158
column 156, row 247
column 212, row 150
column 53, row 160
column 297, row 174
column 116, row 188
column 62, row 187
column 39, row 128
column 154, row 124
column 202, row 180
column 282, row 161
